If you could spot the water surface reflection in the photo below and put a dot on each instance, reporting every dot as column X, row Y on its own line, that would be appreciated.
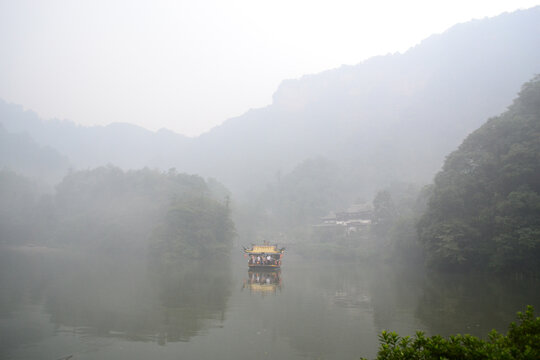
column 263, row 281
column 104, row 297
column 57, row 303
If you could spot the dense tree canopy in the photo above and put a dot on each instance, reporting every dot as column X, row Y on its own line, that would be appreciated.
column 19, row 199
column 485, row 207
column 108, row 209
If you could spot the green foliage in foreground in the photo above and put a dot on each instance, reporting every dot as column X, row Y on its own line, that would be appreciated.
column 521, row 342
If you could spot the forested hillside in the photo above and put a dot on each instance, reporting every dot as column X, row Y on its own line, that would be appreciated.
column 19, row 203
column 121, row 144
column 485, row 207
column 171, row 215
column 390, row 118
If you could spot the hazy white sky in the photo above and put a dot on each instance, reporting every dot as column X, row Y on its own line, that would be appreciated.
column 189, row 65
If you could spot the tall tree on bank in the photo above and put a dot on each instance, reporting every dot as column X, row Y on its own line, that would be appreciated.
column 485, row 207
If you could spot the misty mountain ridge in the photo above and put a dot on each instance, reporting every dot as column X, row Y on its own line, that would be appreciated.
column 21, row 154
column 389, row 118
column 121, row 143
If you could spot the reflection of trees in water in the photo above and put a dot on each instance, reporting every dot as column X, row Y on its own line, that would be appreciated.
column 395, row 290
column 346, row 306
column 121, row 297
column 329, row 308
column 474, row 303
column 21, row 282
column 406, row 298
column 193, row 296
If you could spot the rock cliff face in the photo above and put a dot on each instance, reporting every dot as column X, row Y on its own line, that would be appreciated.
column 395, row 116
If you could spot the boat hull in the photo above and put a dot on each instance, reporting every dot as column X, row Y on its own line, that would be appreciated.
column 264, row 267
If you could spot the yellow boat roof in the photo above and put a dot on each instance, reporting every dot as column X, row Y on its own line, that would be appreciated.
column 267, row 249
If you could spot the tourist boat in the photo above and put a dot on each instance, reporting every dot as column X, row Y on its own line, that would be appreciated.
column 264, row 256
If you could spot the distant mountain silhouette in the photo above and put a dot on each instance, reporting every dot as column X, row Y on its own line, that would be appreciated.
column 122, row 144
column 390, row 118
column 21, row 154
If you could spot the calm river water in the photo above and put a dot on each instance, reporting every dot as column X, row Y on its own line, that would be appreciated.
column 55, row 305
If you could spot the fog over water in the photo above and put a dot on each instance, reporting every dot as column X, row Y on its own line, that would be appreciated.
column 55, row 304
column 401, row 194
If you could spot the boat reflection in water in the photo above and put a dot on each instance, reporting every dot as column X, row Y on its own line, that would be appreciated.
column 263, row 281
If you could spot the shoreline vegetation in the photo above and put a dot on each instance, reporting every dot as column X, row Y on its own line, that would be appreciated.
column 482, row 212
column 522, row 342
